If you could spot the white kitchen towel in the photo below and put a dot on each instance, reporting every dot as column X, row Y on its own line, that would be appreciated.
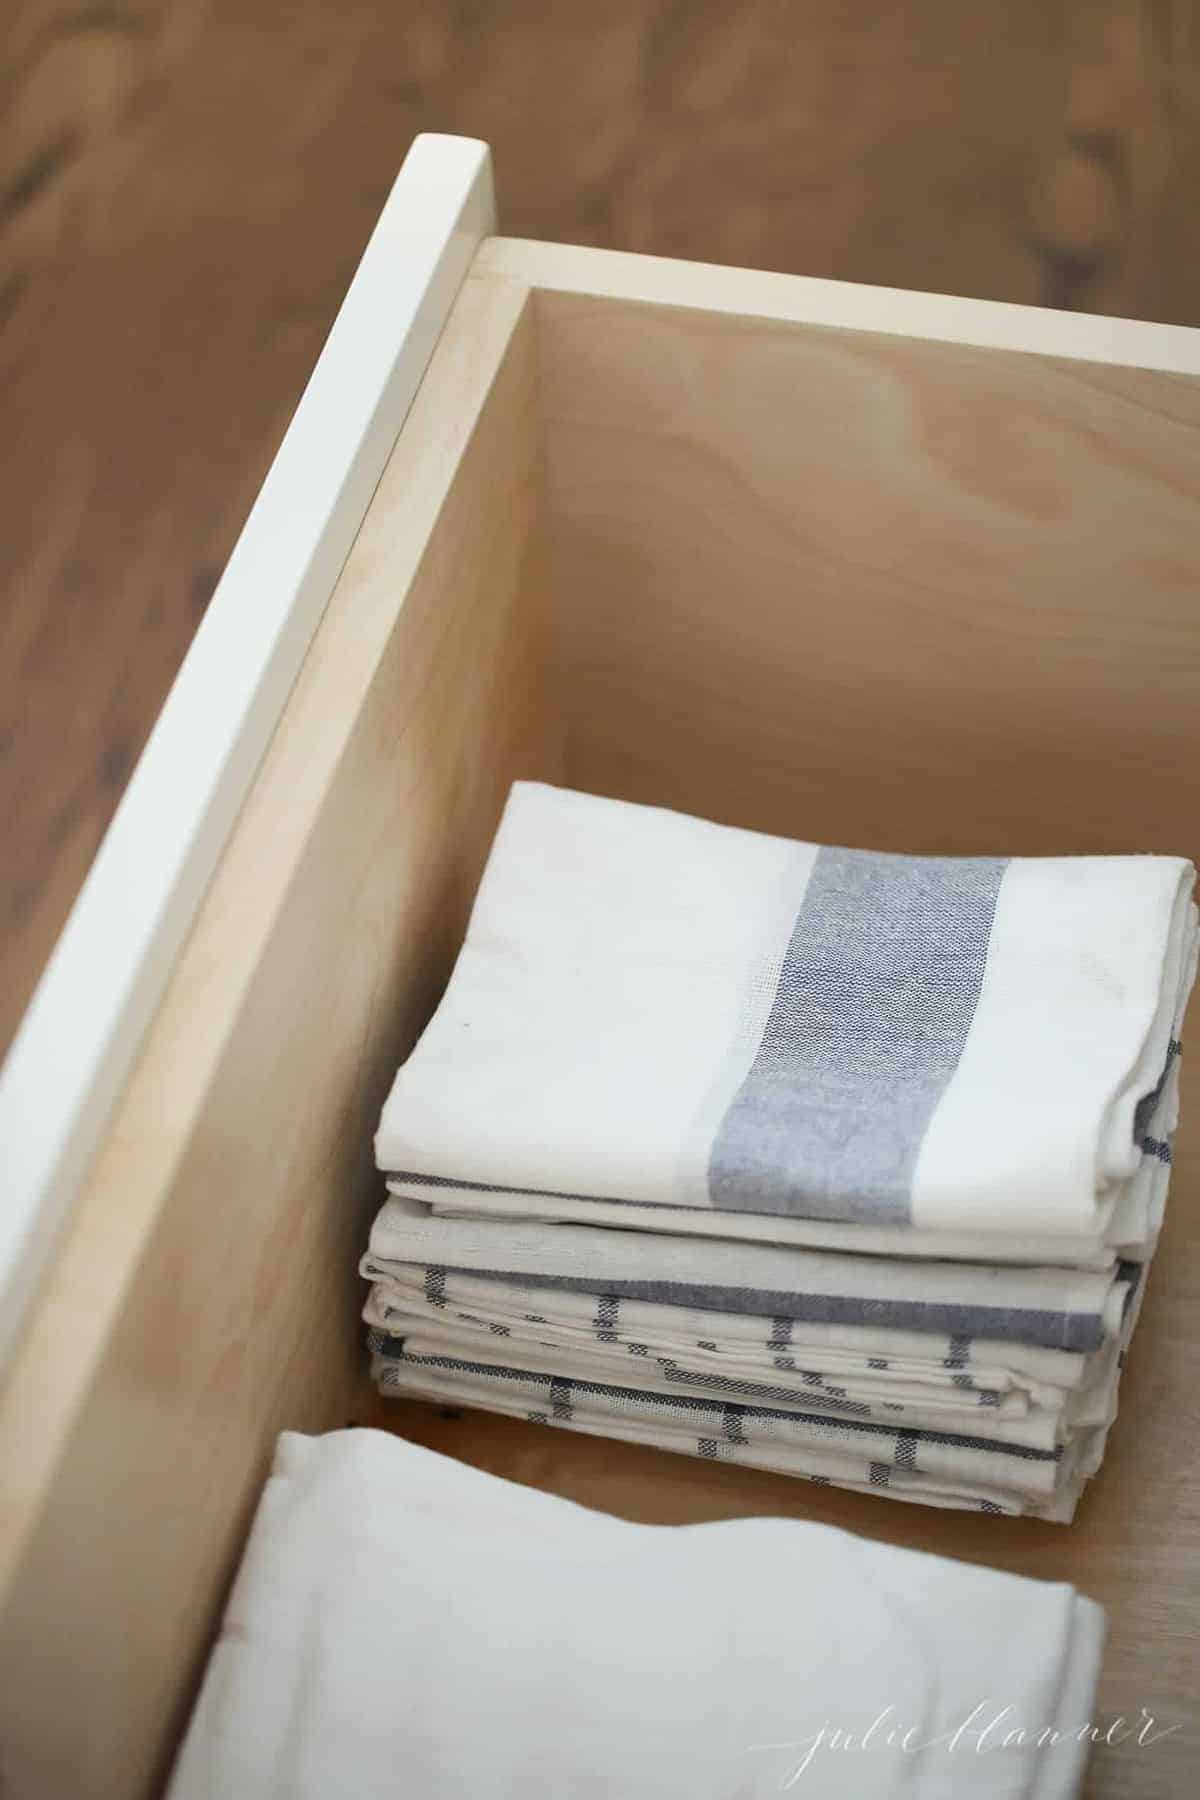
column 405, row 1624
column 1129, row 1233
column 1092, row 1250
column 652, row 1009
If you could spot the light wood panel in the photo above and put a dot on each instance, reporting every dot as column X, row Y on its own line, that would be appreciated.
column 857, row 586
column 854, row 585
column 207, row 1294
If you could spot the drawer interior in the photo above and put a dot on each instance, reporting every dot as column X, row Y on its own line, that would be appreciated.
column 866, row 589
column 853, row 586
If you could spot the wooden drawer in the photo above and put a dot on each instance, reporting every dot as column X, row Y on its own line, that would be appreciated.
column 868, row 567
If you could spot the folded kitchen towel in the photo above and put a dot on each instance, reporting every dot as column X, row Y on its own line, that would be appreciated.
column 1130, row 1231
column 1059, row 1309
column 654, row 1010
column 456, row 1200
column 931, row 1465
column 945, row 1420
column 403, row 1623
column 801, row 1390
column 852, row 1368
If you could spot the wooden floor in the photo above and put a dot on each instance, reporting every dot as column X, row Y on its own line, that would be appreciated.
column 185, row 187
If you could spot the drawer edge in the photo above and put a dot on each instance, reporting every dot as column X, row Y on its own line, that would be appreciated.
column 81, row 1033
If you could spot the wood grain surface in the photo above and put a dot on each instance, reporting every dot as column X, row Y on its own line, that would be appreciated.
column 879, row 590
column 206, row 1294
column 203, row 1296
column 186, row 185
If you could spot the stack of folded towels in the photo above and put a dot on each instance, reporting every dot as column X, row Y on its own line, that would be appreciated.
column 826, row 1161
column 405, row 1625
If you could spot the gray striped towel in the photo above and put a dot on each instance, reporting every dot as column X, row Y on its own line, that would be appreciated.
column 824, row 1161
column 654, row 1010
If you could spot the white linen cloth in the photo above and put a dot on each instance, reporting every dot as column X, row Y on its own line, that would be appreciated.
column 403, row 1624
column 655, row 1010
